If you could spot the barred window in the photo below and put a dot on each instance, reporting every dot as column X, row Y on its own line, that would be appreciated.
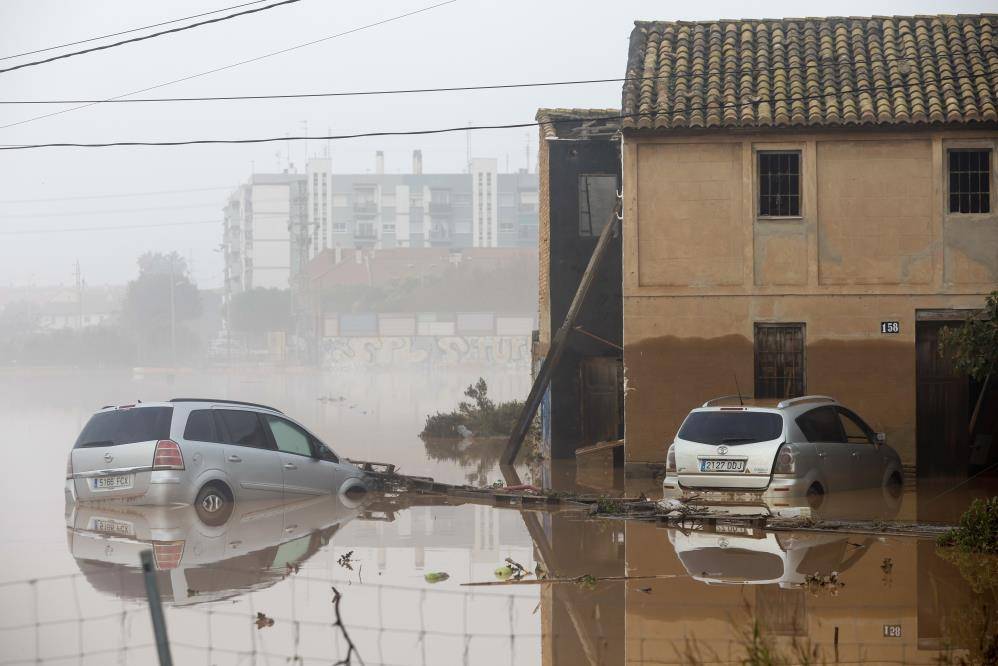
column 970, row 181
column 779, row 184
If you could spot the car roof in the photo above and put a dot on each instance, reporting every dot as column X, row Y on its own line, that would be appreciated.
column 206, row 402
column 789, row 406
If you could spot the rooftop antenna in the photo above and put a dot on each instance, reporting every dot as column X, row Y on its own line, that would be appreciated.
column 738, row 390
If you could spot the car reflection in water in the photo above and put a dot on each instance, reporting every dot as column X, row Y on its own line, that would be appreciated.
column 258, row 546
column 742, row 554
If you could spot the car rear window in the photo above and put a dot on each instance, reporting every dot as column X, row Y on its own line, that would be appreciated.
column 731, row 428
column 126, row 426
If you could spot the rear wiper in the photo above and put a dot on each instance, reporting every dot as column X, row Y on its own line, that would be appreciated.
column 101, row 442
column 737, row 439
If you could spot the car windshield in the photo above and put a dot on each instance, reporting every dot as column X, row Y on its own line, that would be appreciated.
column 126, row 426
column 731, row 428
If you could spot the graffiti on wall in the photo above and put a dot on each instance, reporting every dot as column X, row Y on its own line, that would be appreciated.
column 512, row 351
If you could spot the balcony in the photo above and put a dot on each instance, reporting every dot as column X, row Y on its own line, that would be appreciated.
column 441, row 208
column 366, row 208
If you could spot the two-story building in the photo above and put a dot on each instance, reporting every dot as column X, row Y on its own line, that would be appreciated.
column 806, row 202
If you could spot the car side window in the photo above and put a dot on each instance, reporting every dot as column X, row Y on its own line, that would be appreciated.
column 289, row 437
column 855, row 429
column 821, row 425
column 243, row 428
column 201, row 427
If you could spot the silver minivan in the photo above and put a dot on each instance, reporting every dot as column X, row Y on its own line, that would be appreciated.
column 209, row 453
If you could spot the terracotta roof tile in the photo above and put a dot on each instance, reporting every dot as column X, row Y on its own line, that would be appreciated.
column 879, row 70
column 578, row 123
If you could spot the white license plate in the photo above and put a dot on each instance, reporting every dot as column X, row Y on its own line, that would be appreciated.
column 108, row 526
column 116, row 482
column 721, row 465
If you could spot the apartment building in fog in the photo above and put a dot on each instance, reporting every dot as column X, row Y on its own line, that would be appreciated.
column 480, row 208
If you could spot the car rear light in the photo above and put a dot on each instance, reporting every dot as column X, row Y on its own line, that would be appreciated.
column 670, row 459
column 69, row 466
column 167, row 554
column 167, row 455
column 786, row 460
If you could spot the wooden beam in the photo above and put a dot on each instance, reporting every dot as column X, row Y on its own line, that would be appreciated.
column 560, row 339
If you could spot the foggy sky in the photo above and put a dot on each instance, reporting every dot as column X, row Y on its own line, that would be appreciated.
column 470, row 42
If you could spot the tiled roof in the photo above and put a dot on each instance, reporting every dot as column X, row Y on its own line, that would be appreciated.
column 578, row 123
column 881, row 70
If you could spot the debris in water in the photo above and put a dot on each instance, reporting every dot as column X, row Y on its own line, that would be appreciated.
column 436, row 577
column 346, row 560
column 887, row 566
column 646, row 590
column 263, row 621
column 587, row 581
column 504, row 572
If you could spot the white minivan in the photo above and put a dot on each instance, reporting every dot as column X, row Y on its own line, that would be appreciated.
column 804, row 446
column 209, row 453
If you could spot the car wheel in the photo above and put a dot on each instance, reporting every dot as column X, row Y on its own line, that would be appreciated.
column 895, row 486
column 213, row 504
column 815, row 495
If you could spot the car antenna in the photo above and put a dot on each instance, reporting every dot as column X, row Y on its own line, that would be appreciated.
column 738, row 390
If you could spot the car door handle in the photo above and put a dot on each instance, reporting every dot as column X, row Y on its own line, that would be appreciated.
column 821, row 454
column 290, row 466
column 291, row 528
column 234, row 458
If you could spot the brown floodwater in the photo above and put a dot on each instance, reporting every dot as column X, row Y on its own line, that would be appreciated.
column 260, row 589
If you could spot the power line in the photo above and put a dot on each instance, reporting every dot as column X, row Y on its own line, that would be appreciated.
column 130, row 30
column 237, row 64
column 403, row 91
column 120, row 227
column 467, row 128
column 63, row 56
column 117, row 196
column 114, row 211
column 694, row 72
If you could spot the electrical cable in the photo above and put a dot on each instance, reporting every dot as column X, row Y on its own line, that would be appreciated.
column 445, row 130
column 130, row 30
column 499, row 86
column 23, row 232
column 237, row 64
column 103, row 47
column 116, row 196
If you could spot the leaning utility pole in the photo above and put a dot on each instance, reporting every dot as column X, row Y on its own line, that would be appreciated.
column 560, row 340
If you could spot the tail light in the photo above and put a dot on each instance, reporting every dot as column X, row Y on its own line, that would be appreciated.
column 167, row 455
column 786, row 460
column 167, row 554
column 69, row 466
column 670, row 459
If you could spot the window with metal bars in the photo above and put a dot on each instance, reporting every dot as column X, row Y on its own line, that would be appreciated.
column 779, row 184
column 970, row 181
column 779, row 360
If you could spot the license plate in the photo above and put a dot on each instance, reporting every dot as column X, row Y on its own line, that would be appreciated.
column 116, row 482
column 721, row 465
column 108, row 526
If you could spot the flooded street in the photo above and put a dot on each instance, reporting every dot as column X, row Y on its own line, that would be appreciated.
column 260, row 589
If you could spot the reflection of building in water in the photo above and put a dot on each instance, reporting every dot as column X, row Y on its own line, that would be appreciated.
column 716, row 585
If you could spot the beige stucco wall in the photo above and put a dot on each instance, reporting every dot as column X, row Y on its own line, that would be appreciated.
column 873, row 243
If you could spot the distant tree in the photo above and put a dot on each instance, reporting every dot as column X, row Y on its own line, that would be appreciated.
column 260, row 310
column 974, row 345
column 146, row 310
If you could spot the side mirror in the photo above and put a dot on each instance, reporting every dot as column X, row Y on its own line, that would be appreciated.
column 881, row 438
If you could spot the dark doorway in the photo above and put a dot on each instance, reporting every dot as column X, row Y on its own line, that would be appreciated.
column 943, row 404
column 779, row 360
column 602, row 407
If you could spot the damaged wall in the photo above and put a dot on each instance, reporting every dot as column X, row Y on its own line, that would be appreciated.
column 873, row 243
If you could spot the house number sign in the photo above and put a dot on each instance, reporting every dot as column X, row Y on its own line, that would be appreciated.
column 890, row 327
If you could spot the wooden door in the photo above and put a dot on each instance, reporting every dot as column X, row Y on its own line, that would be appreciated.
column 602, row 399
column 942, row 407
column 779, row 360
